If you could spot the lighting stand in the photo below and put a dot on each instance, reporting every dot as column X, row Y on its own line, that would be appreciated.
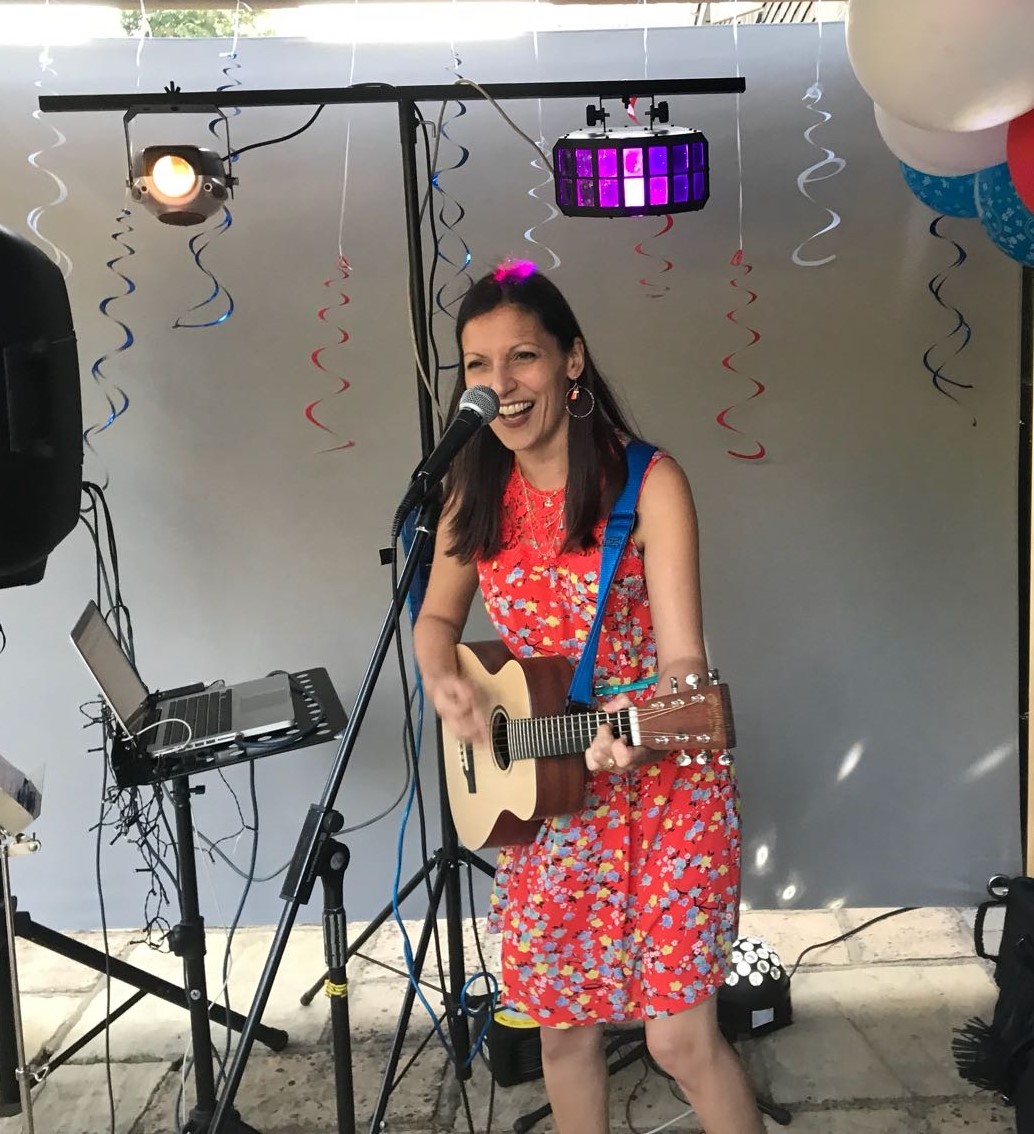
column 321, row 821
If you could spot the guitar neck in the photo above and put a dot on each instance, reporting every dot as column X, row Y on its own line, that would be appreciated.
column 530, row 738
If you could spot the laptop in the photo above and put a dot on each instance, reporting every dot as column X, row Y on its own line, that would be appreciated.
column 214, row 716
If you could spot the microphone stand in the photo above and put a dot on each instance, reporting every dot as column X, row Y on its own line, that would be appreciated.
column 321, row 823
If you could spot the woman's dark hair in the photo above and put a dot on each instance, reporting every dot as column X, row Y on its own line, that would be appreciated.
column 596, row 468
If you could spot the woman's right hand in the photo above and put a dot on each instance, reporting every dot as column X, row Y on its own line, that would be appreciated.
column 457, row 702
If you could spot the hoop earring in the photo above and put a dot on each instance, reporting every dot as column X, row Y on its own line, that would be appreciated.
column 577, row 390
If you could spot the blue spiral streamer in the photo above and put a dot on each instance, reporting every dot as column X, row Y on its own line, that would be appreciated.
column 198, row 244
column 200, row 241
column 961, row 332
column 114, row 395
column 32, row 219
column 831, row 163
column 450, row 215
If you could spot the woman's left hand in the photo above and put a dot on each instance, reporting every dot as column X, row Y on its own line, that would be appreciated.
column 608, row 753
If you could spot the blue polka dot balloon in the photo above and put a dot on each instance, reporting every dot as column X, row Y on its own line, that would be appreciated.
column 1006, row 219
column 953, row 196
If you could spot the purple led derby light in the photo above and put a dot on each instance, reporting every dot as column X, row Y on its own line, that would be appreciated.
column 631, row 172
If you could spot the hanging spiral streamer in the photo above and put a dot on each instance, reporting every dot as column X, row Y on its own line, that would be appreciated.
column 114, row 395
column 737, row 261
column 343, row 270
column 450, row 215
column 63, row 262
column 542, row 191
column 197, row 244
column 656, row 289
column 219, row 298
column 117, row 399
column 961, row 332
column 830, row 162
column 316, row 356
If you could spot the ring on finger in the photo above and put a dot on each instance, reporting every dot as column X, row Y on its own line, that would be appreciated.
column 611, row 763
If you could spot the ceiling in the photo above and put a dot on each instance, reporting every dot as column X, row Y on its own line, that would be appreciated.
column 743, row 12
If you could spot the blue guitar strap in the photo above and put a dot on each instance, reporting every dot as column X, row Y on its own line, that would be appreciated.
column 619, row 528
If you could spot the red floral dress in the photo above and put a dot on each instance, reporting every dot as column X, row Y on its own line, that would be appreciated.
column 628, row 909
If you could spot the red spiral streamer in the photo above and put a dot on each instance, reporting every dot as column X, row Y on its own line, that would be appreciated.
column 657, row 289
column 722, row 418
column 316, row 356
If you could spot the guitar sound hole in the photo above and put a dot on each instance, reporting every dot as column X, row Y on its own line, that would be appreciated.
column 500, row 741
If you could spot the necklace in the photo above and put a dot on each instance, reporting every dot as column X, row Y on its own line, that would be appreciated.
column 553, row 526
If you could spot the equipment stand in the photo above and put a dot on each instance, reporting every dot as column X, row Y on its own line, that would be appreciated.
column 188, row 941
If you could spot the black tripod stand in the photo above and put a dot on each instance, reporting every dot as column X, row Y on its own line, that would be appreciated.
column 318, row 716
column 190, row 935
column 443, row 866
column 187, row 940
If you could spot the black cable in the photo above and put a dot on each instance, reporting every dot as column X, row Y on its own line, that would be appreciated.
column 234, row 154
column 849, row 933
column 239, row 913
column 213, row 847
column 107, row 955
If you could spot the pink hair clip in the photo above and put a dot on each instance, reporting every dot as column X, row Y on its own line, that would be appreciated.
column 512, row 271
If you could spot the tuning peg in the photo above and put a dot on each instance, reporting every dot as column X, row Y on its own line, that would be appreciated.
column 693, row 680
column 712, row 676
column 674, row 684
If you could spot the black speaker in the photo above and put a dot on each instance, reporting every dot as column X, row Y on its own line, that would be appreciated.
column 41, row 417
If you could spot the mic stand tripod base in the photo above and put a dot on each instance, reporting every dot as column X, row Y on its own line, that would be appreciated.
column 26, row 1075
column 200, row 1120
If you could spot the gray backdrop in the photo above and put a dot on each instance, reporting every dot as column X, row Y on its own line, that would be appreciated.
column 860, row 583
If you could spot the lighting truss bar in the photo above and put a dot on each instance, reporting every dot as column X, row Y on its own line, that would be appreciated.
column 170, row 103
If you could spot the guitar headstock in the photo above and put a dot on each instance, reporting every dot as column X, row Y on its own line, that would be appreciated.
column 694, row 715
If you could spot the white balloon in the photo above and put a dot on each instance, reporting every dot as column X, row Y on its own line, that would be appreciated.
column 945, row 153
column 944, row 64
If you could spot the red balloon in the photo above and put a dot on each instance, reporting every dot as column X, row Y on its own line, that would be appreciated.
column 1019, row 153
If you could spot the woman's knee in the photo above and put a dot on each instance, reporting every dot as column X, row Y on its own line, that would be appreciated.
column 685, row 1046
column 583, row 1042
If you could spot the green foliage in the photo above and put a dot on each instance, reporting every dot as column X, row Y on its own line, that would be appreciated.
column 192, row 23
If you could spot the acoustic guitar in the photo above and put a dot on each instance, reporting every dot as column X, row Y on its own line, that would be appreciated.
column 501, row 790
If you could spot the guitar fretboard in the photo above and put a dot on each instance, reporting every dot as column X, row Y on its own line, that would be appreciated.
column 530, row 738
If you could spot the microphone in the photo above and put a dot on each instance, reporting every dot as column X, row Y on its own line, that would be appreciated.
column 477, row 407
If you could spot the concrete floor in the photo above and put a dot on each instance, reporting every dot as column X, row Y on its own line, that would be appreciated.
column 869, row 1051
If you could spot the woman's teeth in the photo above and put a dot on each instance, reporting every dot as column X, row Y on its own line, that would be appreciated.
column 514, row 409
